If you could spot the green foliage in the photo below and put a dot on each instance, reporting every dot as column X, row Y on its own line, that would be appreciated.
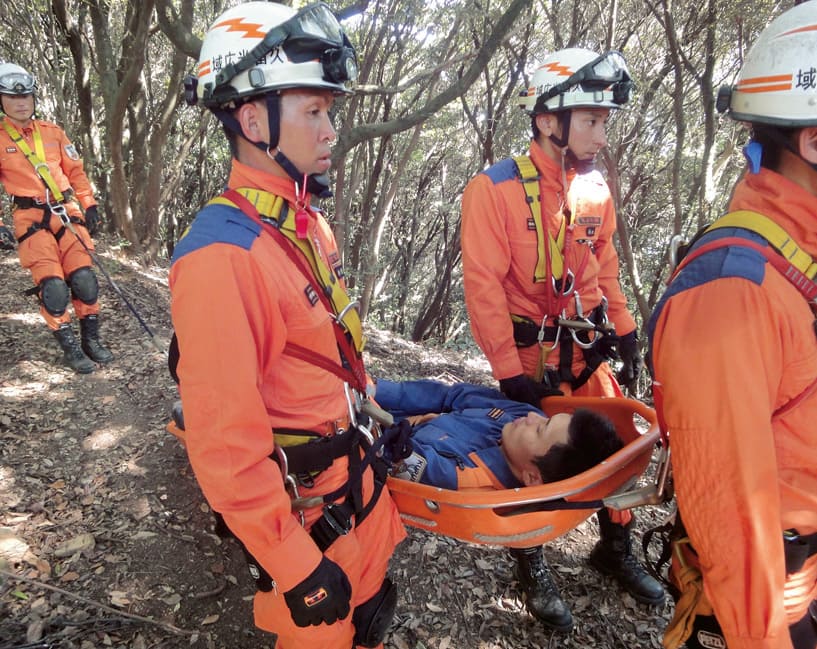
column 670, row 161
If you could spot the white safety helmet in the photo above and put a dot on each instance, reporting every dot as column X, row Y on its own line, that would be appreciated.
column 777, row 84
column 257, row 47
column 15, row 80
column 578, row 78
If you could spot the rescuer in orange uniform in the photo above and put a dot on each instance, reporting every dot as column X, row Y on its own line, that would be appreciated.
column 267, row 337
column 734, row 356
column 541, row 281
column 56, row 258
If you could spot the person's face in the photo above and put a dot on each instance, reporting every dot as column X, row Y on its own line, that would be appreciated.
column 532, row 436
column 588, row 132
column 306, row 129
column 19, row 108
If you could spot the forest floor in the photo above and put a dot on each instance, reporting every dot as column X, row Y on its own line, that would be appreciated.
column 106, row 541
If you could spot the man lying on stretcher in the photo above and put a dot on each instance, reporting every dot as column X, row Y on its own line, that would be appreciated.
column 466, row 435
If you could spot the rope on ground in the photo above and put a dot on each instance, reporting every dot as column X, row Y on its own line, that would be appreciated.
column 163, row 625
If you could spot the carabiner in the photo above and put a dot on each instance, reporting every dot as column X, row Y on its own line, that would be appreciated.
column 352, row 305
column 351, row 403
column 574, row 335
column 540, row 337
column 567, row 290
column 290, row 484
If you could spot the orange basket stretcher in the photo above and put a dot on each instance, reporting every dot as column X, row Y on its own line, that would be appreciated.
column 529, row 516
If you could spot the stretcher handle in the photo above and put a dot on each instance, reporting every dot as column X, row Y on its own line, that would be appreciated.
column 645, row 496
column 377, row 413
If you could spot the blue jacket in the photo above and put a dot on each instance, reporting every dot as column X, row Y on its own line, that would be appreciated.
column 459, row 447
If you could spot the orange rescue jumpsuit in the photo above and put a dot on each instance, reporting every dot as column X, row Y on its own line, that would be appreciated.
column 499, row 254
column 234, row 307
column 730, row 353
column 42, row 253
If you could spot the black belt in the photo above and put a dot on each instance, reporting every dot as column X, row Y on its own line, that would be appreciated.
column 797, row 548
column 526, row 332
column 320, row 453
column 27, row 202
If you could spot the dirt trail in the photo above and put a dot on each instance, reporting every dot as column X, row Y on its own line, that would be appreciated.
column 102, row 520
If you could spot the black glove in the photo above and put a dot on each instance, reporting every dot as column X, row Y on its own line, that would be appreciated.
column 92, row 219
column 6, row 238
column 397, row 445
column 322, row 597
column 607, row 344
column 630, row 358
column 525, row 389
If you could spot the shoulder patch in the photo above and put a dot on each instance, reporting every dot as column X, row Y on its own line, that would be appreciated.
column 71, row 152
column 217, row 224
column 503, row 170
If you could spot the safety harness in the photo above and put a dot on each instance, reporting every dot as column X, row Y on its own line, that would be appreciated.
column 37, row 160
column 686, row 581
column 565, row 332
column 302, row 454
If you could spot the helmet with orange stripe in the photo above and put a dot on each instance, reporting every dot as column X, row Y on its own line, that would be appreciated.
column 575, row 78
column 256, row 50
column 578, row 78
column 777, row 84
column 257, row 47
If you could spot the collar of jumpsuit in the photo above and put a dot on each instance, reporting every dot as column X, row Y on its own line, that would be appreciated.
column 242, row 175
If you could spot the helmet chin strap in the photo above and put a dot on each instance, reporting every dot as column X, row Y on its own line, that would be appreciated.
column 568, row 156
column 316, row 184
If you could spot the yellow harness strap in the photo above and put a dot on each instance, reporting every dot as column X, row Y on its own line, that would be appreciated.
column 692, row 602
column 273, row 207
column 530, row 181
column 288, row 439
column 37, row 159
column 777, row 237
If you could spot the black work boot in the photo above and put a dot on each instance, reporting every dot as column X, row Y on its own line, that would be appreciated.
column 89, row 332
column 73, row 355
column 542, row 598
column 613, row 556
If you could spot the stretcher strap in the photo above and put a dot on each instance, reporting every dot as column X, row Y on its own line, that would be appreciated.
column 560, row 504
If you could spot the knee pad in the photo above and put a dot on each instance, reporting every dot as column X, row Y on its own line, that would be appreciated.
column 54, row 295
column 84, row 285
column 373, row 617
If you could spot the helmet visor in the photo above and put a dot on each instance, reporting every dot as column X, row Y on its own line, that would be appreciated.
column 16, row 83
column 607, row 71
column 315, row 21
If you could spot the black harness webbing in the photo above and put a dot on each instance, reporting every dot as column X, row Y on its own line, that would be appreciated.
column 26, row 203
column 527, row 333
column 798, row 549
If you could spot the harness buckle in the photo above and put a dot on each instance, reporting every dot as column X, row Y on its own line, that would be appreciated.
column 61, row 212
column 340, row 523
